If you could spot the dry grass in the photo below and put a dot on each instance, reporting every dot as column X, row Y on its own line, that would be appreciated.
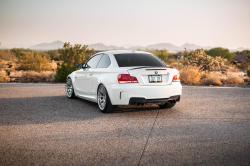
column 4, row 77
column 16, row 73
column 190, row 75
column 31, row 76
column 234, row 80
column 7, row 55
column 211, row 80
column 170, row 61
column 3, row 64
column 232, row 68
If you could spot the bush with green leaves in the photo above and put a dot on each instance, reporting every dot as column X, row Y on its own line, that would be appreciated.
column 199, row 58
column 63, row 71
column 219, row 51
column 162, row 54
column 71, row 56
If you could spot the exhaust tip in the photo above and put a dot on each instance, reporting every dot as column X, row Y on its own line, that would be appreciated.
column 142, row 104
column 138, row 103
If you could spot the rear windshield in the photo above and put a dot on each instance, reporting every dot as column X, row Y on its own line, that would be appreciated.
column 138, row 59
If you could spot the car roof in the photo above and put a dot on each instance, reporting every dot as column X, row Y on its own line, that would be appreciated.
column 123, row 52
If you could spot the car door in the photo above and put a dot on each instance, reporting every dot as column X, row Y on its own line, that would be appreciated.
column 100, row 72
column 84, row 76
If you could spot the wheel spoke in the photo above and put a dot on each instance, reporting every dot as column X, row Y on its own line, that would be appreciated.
column 69, row 88
column 101, row 98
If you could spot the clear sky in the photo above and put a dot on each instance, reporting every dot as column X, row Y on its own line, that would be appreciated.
column 213, row 23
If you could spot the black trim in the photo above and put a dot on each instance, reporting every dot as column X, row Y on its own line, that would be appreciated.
column 148, row 67
column 134, row 100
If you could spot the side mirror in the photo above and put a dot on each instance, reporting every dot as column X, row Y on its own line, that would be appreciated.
column 79, row 66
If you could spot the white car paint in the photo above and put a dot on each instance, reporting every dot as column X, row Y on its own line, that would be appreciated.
column 86, row 82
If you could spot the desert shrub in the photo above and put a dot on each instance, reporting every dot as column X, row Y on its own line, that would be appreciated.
column 3, row 64
column 232, row 68
column 53, row 65
column 170, row 61
column 32, row 76
column 205, row 74
column 219, row 51
column 248, row 72
column 4, row 77
column 190, row 75
column 234, row 80
column 211, row 80
column 34, row 62
column 20, row 51
column 176, row 65
column 16, row 73
column 163, row 54
column 199, row 58
column 71, row 56
column 243, row 65
column 54, row 55
column 7, row 55
column 216, row 63
column 63, row 71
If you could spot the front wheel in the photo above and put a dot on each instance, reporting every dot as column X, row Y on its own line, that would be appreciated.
column 103, row 100
column 169, row 104
column 69, row 89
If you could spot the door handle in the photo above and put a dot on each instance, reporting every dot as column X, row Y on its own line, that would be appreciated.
column 90, row 74
column 75, row 76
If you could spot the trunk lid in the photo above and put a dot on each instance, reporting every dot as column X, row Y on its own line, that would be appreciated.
column 146, row 74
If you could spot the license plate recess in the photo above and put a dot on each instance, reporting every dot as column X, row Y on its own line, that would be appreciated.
column 154, row 78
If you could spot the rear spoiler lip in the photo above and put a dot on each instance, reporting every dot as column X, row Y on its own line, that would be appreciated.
column 148, row 67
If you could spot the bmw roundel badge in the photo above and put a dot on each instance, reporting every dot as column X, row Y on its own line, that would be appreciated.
column 156, row 72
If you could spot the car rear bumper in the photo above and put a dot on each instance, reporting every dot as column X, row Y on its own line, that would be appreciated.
column 135, row 100
column 125, row 94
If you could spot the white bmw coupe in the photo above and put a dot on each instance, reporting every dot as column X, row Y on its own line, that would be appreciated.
column 115, row 78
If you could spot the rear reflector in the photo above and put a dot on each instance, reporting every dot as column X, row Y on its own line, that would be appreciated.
column 156, row 69
column 176, row 78
column 126, row 78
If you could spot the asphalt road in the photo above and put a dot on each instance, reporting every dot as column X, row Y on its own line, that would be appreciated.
column 39, row 125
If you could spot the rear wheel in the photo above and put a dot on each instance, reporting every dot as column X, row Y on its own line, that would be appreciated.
column 69, row 89
column 103, row 100
column 169, row 104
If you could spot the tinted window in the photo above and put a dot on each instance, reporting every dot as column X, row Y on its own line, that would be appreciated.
column 93, row 61
column 104, row 62
column 138, row 59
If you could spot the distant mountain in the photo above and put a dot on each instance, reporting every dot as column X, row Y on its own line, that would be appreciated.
column 239, row 49
column 161, row 46
column 168, row 46
column 48, row 46
column 190, row 46
column 100, row 46
column 242, row 48
column 137, row 48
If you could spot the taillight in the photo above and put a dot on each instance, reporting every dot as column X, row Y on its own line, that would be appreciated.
column 126, row 78
column 176, row 78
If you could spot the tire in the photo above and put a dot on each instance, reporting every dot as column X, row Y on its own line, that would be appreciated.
column 103, row 100
column 70, row 89
column 167, row 105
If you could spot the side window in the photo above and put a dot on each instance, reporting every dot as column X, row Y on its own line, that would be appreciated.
column 104, row 62
column 94, row 61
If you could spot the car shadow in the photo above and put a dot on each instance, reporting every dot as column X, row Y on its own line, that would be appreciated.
column 51, row 109
column 134, row 108
column 48, row 109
